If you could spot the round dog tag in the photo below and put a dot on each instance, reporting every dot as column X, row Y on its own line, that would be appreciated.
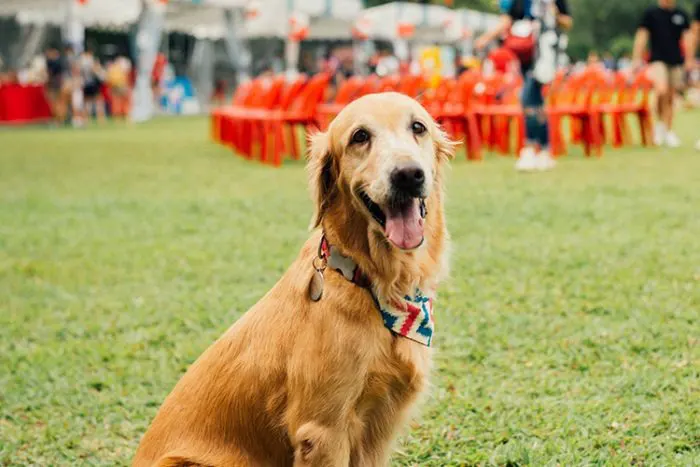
column 316, row 286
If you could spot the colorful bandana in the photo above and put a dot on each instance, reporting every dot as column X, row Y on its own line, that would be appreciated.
column 411, row 318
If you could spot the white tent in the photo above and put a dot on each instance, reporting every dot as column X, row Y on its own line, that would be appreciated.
column 94, row 13
column 327, row 19
column 424, row 23
column 202, row 18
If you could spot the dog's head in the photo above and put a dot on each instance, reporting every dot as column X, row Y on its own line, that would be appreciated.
column 381, row 155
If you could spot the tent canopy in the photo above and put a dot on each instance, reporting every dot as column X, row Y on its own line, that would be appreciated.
column 423, row 23
column 328, row 19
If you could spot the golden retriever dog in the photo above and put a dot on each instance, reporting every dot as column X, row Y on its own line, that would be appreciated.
column 324, row 369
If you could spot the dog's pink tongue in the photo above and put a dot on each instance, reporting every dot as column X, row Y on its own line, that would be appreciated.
column 404, row 228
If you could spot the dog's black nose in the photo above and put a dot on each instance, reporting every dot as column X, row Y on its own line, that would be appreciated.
column 409, row 180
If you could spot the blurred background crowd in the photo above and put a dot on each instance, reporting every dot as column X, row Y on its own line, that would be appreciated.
column 87, row 54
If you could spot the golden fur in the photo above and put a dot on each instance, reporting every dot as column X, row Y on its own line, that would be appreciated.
column 303, row 383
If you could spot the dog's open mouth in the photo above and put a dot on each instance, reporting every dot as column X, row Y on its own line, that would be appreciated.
column 402, row 219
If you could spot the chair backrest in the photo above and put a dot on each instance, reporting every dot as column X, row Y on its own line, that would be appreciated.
column 466, row 85
column 291, row 91
column 348, row 90
column 370, row 85
column 311, row 95
column 266, row 93
column 389, row 84
column 241, row 94
column 445, row 89
column 411, row 85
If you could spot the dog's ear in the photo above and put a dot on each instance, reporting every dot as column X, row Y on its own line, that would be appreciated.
column 444, row 146
column 322, row 175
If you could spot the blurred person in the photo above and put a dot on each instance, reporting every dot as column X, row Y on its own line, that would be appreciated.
column 56, row 84
column 529, row 20
column 346, row 68
column 594, row 65
column 624, row 63
column 93, row 76
column 387, row 63
column 664, row 26
column 77, row 98
column 307, row 64
column 118, row 81
column 609, row 61
column 266, row 73
column 503, row 59
column 157, row 77
column 372, row 63
column 593, row 58
column 218, row 97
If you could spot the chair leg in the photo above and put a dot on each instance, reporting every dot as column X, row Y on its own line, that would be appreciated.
column 520, row 134
column 473, row 138
column 264, row 137
column 644, row 126
column 278, row 144
column 277, row 153
column 248, row 137
column 555, row 136
column 294, row 142
column 618, row 138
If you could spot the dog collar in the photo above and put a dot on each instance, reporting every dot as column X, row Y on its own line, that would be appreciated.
column 411, row 317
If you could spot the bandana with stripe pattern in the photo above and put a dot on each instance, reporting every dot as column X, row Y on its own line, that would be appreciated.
column 411, row 318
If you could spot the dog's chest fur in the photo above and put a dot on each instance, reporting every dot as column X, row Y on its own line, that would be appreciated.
column 399, row 376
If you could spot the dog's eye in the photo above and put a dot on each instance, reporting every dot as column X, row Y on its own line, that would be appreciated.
column 359, row 137
column 418, row 128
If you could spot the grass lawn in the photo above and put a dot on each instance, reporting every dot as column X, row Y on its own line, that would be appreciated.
column 569, row 333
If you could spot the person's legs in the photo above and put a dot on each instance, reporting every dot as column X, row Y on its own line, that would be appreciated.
column 79, row 103
column 676, row 85
column 53, row 96
column 536, row 129
column 118, row 103
column 99, row 104
column 661, row 75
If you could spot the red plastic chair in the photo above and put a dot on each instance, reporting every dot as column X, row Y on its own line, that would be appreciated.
column 251, row 134
column 630, row 98
column 237, row 130
column 496, row 104
column 411, row 85
column 573, row 100
column 449, row 105
column 348, row 91
column 301, row 112
column 389, row 84
column 370, row 86
column 239, row 97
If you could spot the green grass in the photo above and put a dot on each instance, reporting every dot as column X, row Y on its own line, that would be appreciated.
column 567, row 335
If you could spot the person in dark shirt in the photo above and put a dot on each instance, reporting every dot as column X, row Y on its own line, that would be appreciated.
column 664, row 26
column 55, row 84
column 525, row 13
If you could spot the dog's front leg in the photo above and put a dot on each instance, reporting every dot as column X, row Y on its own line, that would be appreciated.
column 321, row 446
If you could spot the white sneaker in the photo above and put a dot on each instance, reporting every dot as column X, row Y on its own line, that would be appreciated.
column 527, row 161
column 659, row 134
column 672, row 140
column 545, row 161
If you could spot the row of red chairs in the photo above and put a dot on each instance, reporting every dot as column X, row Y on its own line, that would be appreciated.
column 483, row 110
column 265, row 113
column 480, row 110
